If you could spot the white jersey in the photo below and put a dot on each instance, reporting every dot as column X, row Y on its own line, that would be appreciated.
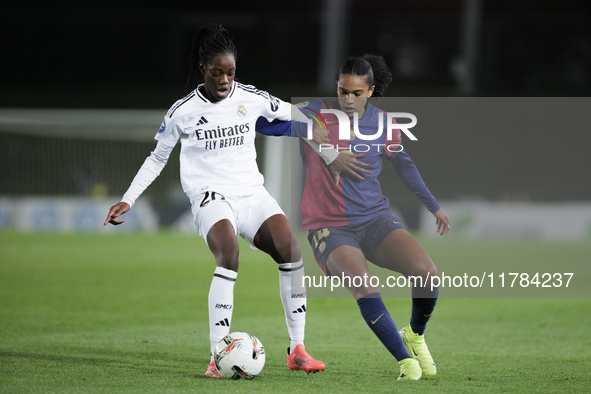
column 217, row 141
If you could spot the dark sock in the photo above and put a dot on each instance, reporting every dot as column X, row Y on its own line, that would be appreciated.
column 422, row 308
column 378, row 319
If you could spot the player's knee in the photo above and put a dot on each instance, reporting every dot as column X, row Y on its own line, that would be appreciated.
column 430, row 272
column 424, row 271
column 427, row 273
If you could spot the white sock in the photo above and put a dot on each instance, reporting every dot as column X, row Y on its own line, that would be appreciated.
column 293, row 296
column 220, row 304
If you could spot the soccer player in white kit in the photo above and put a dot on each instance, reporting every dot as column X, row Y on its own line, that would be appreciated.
column 215, row 123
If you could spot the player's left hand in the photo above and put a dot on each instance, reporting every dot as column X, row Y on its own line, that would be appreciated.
column 116, row 211
column 442, row 222
column 320, row 135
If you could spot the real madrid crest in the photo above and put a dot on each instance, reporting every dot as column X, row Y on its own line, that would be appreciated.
column 241, row 111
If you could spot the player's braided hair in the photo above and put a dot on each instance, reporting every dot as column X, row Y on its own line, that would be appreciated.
column 372, row 66
column 208, row 42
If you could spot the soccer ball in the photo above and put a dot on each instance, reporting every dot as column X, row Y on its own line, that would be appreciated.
column 239, row 355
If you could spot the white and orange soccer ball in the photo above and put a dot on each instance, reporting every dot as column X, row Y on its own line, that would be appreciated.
column 239, row 355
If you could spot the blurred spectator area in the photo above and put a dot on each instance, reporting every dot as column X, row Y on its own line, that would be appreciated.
column 59, row 55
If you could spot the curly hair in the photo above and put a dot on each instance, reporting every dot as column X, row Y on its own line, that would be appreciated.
column 208, row 42
column 373, row 66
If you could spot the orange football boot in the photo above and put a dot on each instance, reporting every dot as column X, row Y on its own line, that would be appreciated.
column 212, row 372
column 300, row 360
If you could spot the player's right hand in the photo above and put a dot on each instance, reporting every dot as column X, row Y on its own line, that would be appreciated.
column 347, row 163
column 116, row 211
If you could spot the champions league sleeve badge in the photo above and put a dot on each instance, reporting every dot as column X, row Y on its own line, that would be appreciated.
column 162, row 127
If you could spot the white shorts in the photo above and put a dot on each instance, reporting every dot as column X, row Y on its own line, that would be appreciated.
column 246, row 212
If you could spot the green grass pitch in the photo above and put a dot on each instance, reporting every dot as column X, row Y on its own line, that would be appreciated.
column 128, row 313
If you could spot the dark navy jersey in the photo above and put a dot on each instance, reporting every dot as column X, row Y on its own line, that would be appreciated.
column 351, row 201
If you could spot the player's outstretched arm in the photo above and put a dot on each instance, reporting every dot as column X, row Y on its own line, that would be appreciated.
column 442, row 222
column 116, row 211
column 406, row 170
column 288, row 128
column 147, row 173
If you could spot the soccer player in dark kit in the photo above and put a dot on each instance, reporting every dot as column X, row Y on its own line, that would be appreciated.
column 348, row 218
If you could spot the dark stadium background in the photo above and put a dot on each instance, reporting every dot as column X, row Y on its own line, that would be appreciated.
column 115, row 56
